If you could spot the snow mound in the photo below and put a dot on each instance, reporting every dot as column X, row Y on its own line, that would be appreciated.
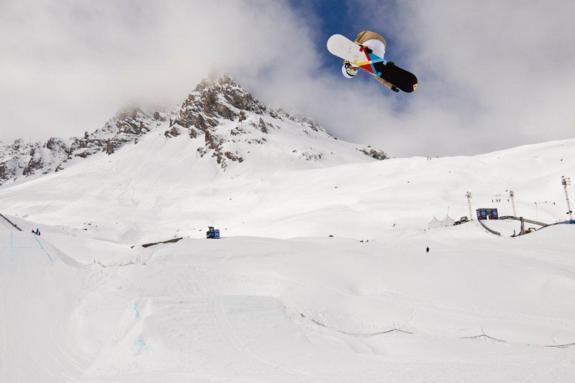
column 308, row 309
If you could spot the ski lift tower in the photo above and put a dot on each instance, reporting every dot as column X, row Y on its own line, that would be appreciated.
column 468, row 195
column 566, row 181
column 512, row 198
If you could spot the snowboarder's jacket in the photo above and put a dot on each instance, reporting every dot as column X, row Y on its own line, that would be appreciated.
column 362, row 37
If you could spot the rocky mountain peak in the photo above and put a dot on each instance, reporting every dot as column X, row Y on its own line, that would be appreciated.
column 22, row 159
column 223, row 121
column 222, row 97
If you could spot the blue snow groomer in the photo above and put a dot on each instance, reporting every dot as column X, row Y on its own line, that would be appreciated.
column 212, row 233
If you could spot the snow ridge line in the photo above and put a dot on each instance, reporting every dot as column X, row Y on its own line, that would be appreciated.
column 484, row 335
column 357, row 334
column 132, row 262
column 525, row 220
column 10, row 222
column 396, row 329
column 566, row 345
column 488, row 229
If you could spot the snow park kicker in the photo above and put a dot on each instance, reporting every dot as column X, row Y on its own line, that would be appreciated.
column 40, row 288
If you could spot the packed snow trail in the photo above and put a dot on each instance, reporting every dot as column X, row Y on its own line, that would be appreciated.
column 309, row 310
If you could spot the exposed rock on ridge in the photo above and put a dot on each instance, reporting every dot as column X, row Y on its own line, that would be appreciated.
column 223, row 120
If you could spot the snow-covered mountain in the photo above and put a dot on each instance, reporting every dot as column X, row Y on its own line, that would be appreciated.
column 222, row 121
column 327, row 271
column 24, row 159
column 226, row 159
column 172, row 186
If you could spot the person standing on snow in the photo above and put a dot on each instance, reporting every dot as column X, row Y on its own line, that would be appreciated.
column 376, row 43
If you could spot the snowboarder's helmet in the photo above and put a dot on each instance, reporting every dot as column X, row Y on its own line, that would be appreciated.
column 348, row 70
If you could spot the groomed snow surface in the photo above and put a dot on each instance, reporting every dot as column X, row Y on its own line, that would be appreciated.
column 278, row 299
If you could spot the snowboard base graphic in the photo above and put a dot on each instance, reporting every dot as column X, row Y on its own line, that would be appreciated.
column 363, row 58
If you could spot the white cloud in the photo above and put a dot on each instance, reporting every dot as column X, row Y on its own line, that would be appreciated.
column 492, row 73
column 69, row 65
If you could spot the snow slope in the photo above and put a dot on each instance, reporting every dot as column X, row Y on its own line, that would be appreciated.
column 134, row 197
column 322, row 274
column 475, row 308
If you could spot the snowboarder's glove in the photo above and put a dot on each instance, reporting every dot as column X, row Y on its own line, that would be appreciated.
column 366, row 49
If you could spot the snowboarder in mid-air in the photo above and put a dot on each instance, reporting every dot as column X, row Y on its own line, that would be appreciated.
column 367, row 53
column 373, row 41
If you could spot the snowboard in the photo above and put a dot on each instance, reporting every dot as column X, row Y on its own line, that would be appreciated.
column 363, row 58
